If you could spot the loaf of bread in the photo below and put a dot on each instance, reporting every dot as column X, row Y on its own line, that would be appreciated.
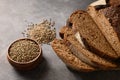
column 90, row 39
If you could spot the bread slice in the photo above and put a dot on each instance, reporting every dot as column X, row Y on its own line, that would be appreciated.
column 111, row 33
column 86, row 56
column 68, row 58
column 92, row 35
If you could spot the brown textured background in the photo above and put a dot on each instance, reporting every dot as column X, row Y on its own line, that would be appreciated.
column 15, row 15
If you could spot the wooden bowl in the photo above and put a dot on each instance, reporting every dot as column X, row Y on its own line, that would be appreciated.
column 25, row 65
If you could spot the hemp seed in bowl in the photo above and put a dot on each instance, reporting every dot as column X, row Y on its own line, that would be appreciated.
column 24, row 52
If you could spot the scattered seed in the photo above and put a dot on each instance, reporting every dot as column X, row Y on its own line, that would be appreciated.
column 43, row 33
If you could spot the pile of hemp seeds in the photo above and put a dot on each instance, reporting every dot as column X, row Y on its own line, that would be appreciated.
column 43, row 33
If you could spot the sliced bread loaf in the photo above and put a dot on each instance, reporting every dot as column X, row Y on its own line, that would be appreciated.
column 91, row 34
column 68, row 58
column 109, row 25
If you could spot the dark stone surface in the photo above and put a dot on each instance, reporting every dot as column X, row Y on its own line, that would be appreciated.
column 15, row 15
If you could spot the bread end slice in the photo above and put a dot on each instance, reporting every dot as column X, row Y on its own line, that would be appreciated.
column 68, row 58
